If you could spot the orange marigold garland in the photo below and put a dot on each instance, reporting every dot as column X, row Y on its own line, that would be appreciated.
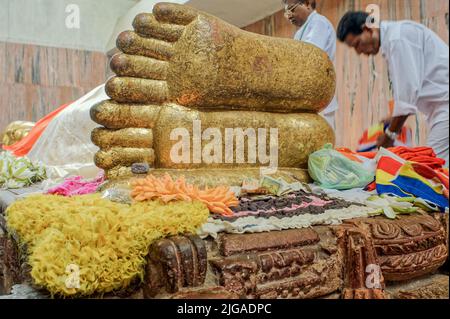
column 218, row 200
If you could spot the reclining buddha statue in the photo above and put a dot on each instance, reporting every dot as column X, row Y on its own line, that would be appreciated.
column 196, row 96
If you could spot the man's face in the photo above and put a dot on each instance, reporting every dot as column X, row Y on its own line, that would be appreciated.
column 296, row 12
column 366, row 43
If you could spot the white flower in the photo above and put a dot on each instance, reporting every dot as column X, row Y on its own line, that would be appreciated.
column 2, row 180
column 19, row 172
column 5, row 164
column 22, row 171
column 12, row 184
column 41, row 171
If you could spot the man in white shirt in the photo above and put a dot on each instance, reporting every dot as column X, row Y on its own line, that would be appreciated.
column 418, row 63
column 317, row 30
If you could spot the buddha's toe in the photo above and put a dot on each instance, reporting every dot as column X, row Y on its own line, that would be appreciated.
column 145, row 24
column 174, row 13
column 135, row 90
column 118, row 156
column 139, row 67
column 114, row 115
column 126, row 138
column 131, row 43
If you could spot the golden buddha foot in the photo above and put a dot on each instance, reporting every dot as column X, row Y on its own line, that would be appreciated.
column 171, row 136
column 178, row 54
column 198, row 97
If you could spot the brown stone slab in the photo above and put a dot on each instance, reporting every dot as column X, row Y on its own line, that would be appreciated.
column 288, row 288
column 231, row 244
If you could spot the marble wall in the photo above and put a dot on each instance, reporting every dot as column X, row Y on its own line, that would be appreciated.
column 35, row 80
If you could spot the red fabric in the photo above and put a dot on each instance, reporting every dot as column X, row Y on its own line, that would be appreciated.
column 423, row 155
column 389, row 165
column 371, row 187
column 24, row 146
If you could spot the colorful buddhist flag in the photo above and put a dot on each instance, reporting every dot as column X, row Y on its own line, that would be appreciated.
column 406, row 179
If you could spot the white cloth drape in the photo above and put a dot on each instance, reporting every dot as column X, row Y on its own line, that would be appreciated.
column 65, row 146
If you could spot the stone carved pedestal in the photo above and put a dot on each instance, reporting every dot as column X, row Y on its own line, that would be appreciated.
column 321, row 261
column 317, row 262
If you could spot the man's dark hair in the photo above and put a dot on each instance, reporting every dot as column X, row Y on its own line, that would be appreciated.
column 351, row 23
column 311, row 2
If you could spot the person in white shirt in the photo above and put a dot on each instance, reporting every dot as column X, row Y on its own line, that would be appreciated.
column 418, row 63
column 317, row 30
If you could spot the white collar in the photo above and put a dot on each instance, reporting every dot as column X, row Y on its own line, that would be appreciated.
column 383, row 37
column 307, row 21
column 310, row 17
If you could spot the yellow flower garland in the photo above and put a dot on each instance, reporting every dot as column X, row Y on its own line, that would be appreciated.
column 107, row 241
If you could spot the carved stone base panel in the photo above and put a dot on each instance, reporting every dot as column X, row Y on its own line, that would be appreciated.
column 363, row 294
column 426, row 243
column 245, row 274
column 409, row 266
column 11, row 269
column 408, row 247
column 304, row 263
column 359, row 254
column 318, row 262
column 444, row 219
column 405, row 235
column 238, row 275
column 426, row 287
column 311, row 283
column 174, row 263
column 333, row 296
column 13, row 265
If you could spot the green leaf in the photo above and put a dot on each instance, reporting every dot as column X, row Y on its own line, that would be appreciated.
column 389, row 213
column 402, row 210
column 406, row 199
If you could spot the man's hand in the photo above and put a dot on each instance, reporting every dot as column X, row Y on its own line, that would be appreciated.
column 385, row 141
column 395, row 126
column 387, row 121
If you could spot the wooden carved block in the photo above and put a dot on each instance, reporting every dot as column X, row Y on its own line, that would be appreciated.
column 302, row 263
column 407, row 248
column 308, row 263
column 174, row 263
column 232, row 244
column 10, row 266
column 429, row 287
column 360, row 264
